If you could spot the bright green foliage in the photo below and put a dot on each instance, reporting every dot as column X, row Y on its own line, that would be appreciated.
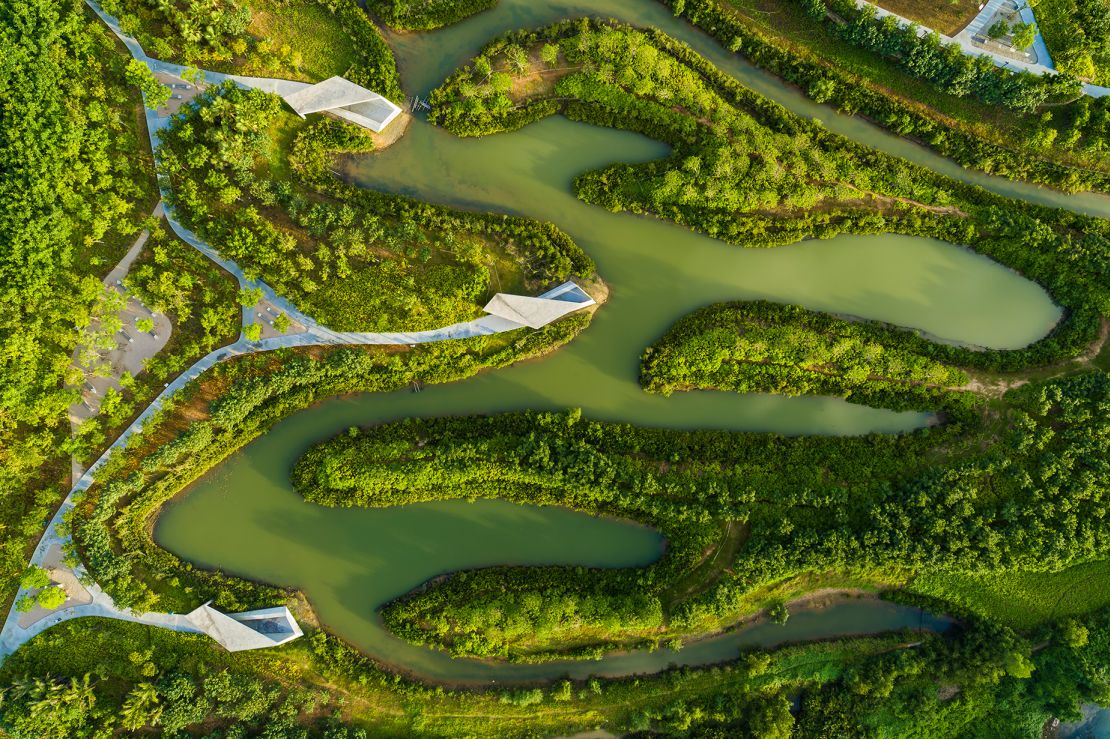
column 353, row 259
column 1077, row 33
column 1022, row 599
column 34, row 577
column 249, row 297
column 1024, row 35
column 763, row 347
column 290, row 39
column 944, row 499
column 155, row 94
column 252, row 331
column 282, row 323
column 75, row 178
column 424, row 15
column 998, row 29
column 51, row 597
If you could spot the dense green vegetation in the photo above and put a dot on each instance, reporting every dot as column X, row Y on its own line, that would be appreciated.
column 1069, row 150
column 1023, row 600
column 219, row 413
column 1077, row 33
column 423, row 15
column 745, row 170
column 945, row 499
column 1004, row 504
column 76, row 179
column 764, row 347
column 292, row 39
column 255, row 180
column 943, row 65
column 978, row 681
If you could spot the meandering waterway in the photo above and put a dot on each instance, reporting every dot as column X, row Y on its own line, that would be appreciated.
column 244, row 517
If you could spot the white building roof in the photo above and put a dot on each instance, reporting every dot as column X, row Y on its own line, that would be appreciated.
column 345, row 99
column 237, row 632
column 538, row 312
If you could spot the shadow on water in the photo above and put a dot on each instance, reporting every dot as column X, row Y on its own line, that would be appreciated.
column 245, row 519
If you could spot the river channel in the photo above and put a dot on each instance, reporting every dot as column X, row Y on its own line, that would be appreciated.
column 244, row 518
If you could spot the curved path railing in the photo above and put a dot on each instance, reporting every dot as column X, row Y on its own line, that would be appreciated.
column 12, row 636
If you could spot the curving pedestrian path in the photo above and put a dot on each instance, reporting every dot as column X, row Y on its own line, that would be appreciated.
column 12, row 636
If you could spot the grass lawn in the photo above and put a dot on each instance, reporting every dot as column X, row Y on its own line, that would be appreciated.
column 1023, row 600
column 949, row 17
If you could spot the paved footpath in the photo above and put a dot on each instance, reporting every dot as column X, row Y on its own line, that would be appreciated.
column 963, row 39
column 13, row 635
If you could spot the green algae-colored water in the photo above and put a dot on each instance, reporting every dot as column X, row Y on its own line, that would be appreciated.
column 244, row 517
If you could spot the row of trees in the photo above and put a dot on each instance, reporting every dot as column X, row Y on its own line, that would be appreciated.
column 1025, row 489
column 834, row 81
column 424, row 15
column 944, row 65
column 761, row 347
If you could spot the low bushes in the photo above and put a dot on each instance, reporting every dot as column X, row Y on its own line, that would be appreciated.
column 424, row 15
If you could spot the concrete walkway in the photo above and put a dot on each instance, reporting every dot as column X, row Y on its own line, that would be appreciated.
column 313, row 334
column 964, row 40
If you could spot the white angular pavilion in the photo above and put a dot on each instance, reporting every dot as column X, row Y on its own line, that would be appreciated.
column 237, row 632
column 344, row 99
column 538, row 312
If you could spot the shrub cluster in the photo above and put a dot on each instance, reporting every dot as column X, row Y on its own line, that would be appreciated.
column 424, row 15
column 353, row 259
column 1024, row 489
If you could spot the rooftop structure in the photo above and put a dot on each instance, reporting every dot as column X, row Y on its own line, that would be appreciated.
column 538, row 312
column 237, row 632
column 344, row 99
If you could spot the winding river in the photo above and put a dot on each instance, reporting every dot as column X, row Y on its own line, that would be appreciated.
column 244, row 518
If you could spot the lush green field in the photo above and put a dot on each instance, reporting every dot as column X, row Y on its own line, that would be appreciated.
column 1023, row 600
column 422, row 15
